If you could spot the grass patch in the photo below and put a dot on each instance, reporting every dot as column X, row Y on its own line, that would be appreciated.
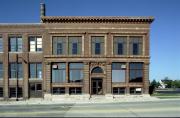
column 166, row 95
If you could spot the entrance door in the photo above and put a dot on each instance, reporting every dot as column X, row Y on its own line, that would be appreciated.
column 96, row 86
column 35, row 90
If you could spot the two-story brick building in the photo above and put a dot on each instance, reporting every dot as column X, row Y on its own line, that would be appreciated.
column 75, row 56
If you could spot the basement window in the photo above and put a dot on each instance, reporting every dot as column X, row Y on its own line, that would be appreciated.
column 75, row 90
column 1, row 91
column 118, row 90
column 58, row 90
column 135, row 91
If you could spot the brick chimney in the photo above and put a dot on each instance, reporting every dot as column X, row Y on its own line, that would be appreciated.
column 42, row 10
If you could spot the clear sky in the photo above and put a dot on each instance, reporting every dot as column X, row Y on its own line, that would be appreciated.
column 165, row 30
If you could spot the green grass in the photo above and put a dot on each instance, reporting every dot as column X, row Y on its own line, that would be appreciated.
column 165, row 95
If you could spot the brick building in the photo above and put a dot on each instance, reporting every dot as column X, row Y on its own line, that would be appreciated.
column 75, row 56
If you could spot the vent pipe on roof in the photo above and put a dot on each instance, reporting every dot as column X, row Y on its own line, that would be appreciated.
column 42, row 10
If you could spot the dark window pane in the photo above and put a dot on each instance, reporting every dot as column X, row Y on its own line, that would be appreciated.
column 58, row 90
column 39, row 87
column 1, row 70
column 1, row 91
column 97, row 70
column 136, row 72
column 59, row 48
column 12, row 92
column 135, row 49
column 74, row 48
column 135, row 90
column 97, row 48
column 120, row 48
column 118, row 90
column 75, row 90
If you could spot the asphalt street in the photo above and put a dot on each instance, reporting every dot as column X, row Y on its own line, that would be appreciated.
column 167, row 108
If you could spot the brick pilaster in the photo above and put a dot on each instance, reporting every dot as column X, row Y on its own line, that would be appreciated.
column 25, row 66
column 5, row 64
column 48, row 76
column 127, row 78
column 108, row 79
column 146, row 78
column 86, row 78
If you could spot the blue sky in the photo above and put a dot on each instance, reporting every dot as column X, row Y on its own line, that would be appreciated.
column 165, row 30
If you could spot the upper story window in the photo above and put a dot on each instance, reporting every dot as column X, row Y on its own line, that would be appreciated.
column 35, row 71
column 59, row 72
column 76, row 72
column 118, row 72
column 15, row 44
column 59, row 45
column 120, row 45
column 35, row 44
column 16, row 70
column 97, row 45
column 1, row 70
column 136, row 45
column 1, row 44
column 75, row 45
column 136, row 72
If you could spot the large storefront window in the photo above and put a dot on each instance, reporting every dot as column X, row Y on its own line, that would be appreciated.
column 97, row 45
column 59, row 72
column 76, row 72
column 118, row 72
column 136, row 72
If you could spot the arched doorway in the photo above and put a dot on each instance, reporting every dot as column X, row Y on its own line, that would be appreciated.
column 97, row 81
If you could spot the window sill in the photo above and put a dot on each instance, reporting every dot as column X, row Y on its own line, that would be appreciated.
column 35, row 79
column 15, row 78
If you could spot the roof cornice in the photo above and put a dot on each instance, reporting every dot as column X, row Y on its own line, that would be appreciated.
column 96, row 19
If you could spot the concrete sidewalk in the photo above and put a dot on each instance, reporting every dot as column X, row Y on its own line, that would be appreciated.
column 99, row 100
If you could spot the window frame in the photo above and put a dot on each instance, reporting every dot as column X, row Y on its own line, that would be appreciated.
column 81, row 70
column 1, row 71
column 36, row 43
column 97, row 39
column 36, row 71
column 119, row 91
column 59, row 91
column 17, row 45
column 123, row 40
column 75, row 91
column 138, row 41
column 60, row 69
column 119, row 69
column 16, row 70
column 136, row 72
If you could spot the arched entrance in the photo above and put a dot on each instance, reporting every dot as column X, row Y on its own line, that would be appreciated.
column 97, row 81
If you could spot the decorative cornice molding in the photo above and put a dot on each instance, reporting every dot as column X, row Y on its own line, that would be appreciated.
column 96, row 19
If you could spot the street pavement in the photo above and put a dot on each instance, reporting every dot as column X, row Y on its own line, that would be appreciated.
column 161, row 108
